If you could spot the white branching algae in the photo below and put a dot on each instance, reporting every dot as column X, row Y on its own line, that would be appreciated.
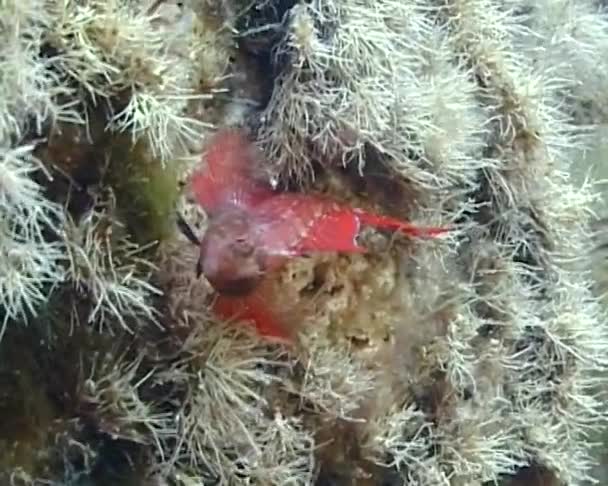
column 106, row 267
column 475, row 359
column 29, row 262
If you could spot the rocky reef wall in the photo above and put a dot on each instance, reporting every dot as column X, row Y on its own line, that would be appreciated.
column 475, row 359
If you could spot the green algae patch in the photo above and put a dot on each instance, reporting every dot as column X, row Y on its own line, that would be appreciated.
column 88, row 165
column 146, row 191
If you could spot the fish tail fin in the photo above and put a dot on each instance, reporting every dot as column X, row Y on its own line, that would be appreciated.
column 409, row 229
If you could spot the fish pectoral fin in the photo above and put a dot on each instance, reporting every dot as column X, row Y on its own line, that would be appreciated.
column 269, row 314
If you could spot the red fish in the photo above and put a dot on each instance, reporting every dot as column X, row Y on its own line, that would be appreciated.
column 253, row 230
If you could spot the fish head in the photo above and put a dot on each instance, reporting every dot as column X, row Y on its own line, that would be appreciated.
column 229, row 257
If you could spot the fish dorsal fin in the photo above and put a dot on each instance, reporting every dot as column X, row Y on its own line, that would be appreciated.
column 227, row 173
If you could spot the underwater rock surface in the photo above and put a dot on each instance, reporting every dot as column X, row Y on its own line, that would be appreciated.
column 475, row 359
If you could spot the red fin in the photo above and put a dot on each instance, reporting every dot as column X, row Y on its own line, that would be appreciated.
column 262, row 310
column 227, row 177
column 386, row 222
column 296, row 224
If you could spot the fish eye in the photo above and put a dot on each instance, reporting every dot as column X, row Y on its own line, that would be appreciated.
column 242, row 247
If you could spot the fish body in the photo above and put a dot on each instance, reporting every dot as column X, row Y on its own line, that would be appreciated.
column 253, row 230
